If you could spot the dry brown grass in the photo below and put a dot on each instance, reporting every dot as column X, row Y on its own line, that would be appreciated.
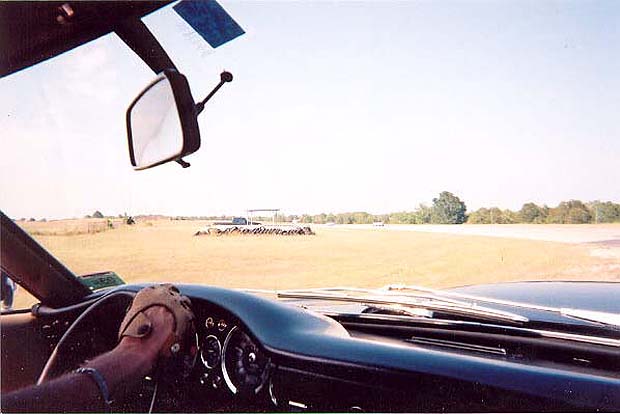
column 69, row 227
column 165, row 250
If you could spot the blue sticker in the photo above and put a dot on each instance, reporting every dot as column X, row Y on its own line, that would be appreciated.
column 210, row 20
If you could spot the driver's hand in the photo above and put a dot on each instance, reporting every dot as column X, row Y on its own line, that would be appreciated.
column 157, row 342
column 158, row 321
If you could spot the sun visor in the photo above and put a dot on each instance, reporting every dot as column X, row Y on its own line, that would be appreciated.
column 209, row 20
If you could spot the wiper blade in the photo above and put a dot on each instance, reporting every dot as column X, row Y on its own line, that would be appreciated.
column 603, row 318
column 405, row 303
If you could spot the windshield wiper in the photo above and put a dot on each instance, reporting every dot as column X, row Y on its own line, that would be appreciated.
column 604, row 318
column 407, row 303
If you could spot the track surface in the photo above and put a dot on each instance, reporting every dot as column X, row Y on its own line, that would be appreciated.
column 608, row 234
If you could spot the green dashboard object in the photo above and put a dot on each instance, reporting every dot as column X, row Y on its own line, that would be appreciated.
column 101, row 280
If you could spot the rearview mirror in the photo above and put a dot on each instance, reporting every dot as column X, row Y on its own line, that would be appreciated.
column 162, row 122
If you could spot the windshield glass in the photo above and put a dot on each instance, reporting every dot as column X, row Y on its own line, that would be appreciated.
column 423, row 143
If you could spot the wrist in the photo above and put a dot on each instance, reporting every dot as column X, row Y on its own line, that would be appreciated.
column 99, row 380
column 137, row 351
column 125, row 363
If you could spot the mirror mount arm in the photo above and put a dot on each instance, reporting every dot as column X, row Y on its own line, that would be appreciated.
column 141, row 40
column 224, row 78
column 183, row 163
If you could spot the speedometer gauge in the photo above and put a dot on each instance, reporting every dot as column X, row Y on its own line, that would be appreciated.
column 211, row 352
column 244, row 365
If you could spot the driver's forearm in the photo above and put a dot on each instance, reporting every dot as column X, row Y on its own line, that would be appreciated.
column 123, row 366
column 71, row 392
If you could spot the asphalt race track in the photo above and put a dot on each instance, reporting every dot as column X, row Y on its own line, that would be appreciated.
column 603, row 234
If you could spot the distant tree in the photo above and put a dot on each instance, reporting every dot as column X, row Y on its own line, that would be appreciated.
column 480, row 216
column 43, row 220
column 423, row 214
column 448, row 209
column 383, row 217
column 578, row 213
column 532, row 213
column 492, row 215
column 399, row 217
column 97, row 214
column 498, row 216
column 31, row 219
column 604, row 212
column 569, row 212
column 509, row 217
column 558, row 214
column 361, row 217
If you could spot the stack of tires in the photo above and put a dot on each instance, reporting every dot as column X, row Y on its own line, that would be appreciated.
column 279, row 231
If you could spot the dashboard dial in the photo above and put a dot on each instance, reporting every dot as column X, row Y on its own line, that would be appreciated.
column 244, row 365
column 211, row 352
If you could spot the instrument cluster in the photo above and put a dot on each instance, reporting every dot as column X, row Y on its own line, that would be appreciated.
column 232, row 361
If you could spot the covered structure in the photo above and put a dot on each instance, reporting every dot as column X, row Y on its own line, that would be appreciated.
column 250, row 213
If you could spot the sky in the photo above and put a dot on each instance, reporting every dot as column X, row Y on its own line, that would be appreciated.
column 335, row 106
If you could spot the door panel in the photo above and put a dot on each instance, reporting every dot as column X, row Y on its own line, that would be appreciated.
column 24, row 348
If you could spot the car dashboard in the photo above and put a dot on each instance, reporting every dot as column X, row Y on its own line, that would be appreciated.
column 256, row 354
column 251, row 353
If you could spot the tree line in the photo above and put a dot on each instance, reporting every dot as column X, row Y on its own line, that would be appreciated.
column 567, row 212
column 447, row 208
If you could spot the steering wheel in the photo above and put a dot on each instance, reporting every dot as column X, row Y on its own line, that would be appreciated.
column 54, row 365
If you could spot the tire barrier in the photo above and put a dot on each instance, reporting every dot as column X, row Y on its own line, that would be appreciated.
column 262, row 230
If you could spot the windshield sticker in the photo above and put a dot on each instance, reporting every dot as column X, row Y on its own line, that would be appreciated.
column 210, row 20
column 101, row 280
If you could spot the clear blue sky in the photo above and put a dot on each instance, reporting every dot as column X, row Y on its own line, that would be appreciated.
column 335, row 106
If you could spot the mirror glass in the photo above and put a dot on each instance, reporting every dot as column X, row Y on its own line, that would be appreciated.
column 156, row 130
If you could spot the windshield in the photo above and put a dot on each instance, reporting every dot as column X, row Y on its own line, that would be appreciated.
column 421, row 143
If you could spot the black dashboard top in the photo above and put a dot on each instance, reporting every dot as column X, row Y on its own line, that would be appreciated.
column 290, row 332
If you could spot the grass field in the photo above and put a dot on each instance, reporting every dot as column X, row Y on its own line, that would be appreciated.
column 162, row 250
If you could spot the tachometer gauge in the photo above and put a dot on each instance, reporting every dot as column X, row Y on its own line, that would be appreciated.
column 244, row 366
column 211, row 352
